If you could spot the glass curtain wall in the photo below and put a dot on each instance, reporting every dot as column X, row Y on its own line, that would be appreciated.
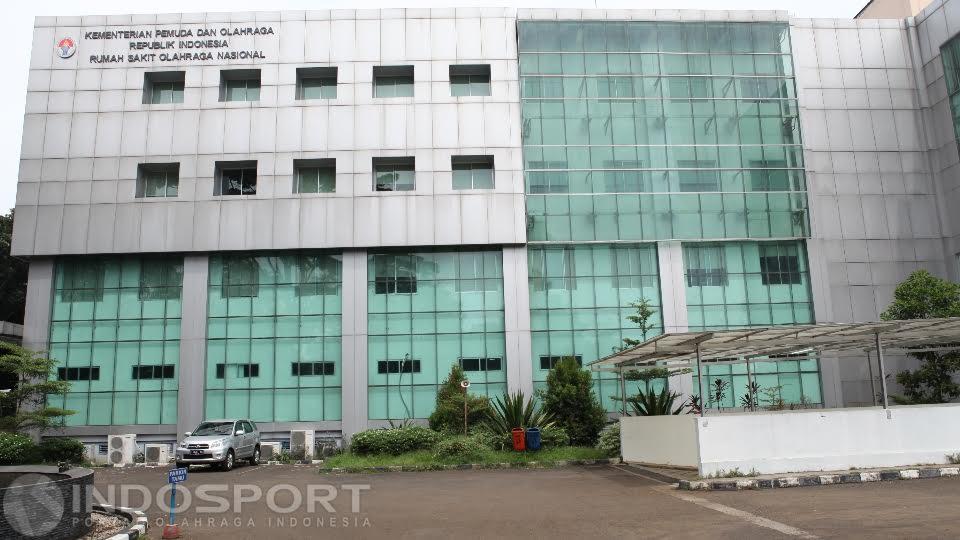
column 743, row 284
column 950, row 56
column 273, row 337
column 115, row 335
column 580, row 298
column 428, row 311
column 660, row 130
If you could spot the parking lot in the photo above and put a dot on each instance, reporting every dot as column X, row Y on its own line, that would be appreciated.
column 292, row 501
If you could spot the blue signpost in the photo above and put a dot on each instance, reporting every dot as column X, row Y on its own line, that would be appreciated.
column 174, row 476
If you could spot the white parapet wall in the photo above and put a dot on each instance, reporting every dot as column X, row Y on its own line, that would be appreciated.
column 796, row 441
column 660, row 440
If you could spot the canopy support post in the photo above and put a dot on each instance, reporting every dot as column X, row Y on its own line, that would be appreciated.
column 873, row 381
column 703, row 397
column 750, row 395
column 623, row 392
column 883, row 378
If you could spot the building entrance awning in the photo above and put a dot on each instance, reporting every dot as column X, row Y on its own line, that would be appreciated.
column 780, row 343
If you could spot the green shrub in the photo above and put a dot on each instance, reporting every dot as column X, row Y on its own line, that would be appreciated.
column 554, row 437
column 394, row 441
column 569, row 399
column 463, row 449
column 447, row 417
column 609, row 441
column 61, row 449
column 17, row 449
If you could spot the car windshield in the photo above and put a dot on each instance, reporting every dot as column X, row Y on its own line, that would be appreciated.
column 214, row 428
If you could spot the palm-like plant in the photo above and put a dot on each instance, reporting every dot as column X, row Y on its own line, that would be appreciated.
column 655, row 404
column 515, row 410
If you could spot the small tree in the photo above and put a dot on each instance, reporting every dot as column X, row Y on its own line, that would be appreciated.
column 641, row 318
column 448, row 414
column 25, row 406
column 923, row 296
column 570, row 400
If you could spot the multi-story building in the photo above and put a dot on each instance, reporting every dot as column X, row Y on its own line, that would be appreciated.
column 307, row 218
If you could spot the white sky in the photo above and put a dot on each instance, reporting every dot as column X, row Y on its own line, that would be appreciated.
column 19, row 25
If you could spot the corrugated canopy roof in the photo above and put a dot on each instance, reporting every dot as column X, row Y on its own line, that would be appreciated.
column 679, row 350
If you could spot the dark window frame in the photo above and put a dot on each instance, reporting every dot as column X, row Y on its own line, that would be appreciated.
column 394, row 366
column 322, row 166
column 244, row 371
column 173, row 82
column 470, row 164
column 224, row 172
column 550, row 361
column 393, row 166
column 323, row 77
column 308, row 369
column 490, row 363
column 475, row 78
column 250, row 77
column 152, row 371
column 393, row 77
column 79, row 373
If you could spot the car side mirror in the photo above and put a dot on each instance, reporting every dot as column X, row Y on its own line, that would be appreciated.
column 186, row 433
column 239, row 432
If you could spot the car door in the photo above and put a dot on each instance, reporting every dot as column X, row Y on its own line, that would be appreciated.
column 251, row 435
column 241, row 440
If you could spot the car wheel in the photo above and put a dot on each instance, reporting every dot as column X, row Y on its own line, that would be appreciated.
column 255, row 458
column 228, row 461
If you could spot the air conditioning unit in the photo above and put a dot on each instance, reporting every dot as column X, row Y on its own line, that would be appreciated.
column 156, row 453
column 269, row 451
column 121, row 449
column 301, row 444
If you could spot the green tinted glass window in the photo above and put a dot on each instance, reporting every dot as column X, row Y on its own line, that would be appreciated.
column 110, row 317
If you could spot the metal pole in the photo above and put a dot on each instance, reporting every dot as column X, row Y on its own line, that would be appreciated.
column 883, row 378
column 703, row 397
column 750, row 395
column 623, row 392
column 873, row 381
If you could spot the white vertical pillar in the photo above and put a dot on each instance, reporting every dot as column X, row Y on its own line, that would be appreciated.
column 193, row 343
column 36, row 317
column 673, row 301
column 353, row 360
column 516, row 298
column 830, row 380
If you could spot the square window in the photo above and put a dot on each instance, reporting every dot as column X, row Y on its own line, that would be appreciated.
column 314, row 175
column 392, row 81
column 706, row 266
column 698, row 175
column 158, row 179
column 470, row 80
column 394, row 174
column 317, row 83
column 240, row 85
column 82, row 281
column 241, row 277
column 472, row 172
column 394, row 274
column 778, row 266
column 160, row 279
column 160, row 87
column 235, row 178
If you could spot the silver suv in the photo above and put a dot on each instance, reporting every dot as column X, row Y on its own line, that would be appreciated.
column 220, row 442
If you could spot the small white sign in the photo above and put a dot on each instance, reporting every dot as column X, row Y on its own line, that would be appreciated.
column 464, row 384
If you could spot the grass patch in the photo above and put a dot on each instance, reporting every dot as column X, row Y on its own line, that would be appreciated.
column 426, row 458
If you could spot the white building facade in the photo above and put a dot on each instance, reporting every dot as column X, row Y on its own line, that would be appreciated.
column 306, row 218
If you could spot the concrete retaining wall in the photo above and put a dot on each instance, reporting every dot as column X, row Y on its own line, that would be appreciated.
column 796, row 441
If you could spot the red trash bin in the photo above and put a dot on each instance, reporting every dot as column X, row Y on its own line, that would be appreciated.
column 519, row 439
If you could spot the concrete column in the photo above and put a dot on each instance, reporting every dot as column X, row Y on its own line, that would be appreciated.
column 36, row 318
column 673, row 295
column 516, row 298
column 673, row 287
column 353, row 360
column 193, row 343
column 830, row 378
